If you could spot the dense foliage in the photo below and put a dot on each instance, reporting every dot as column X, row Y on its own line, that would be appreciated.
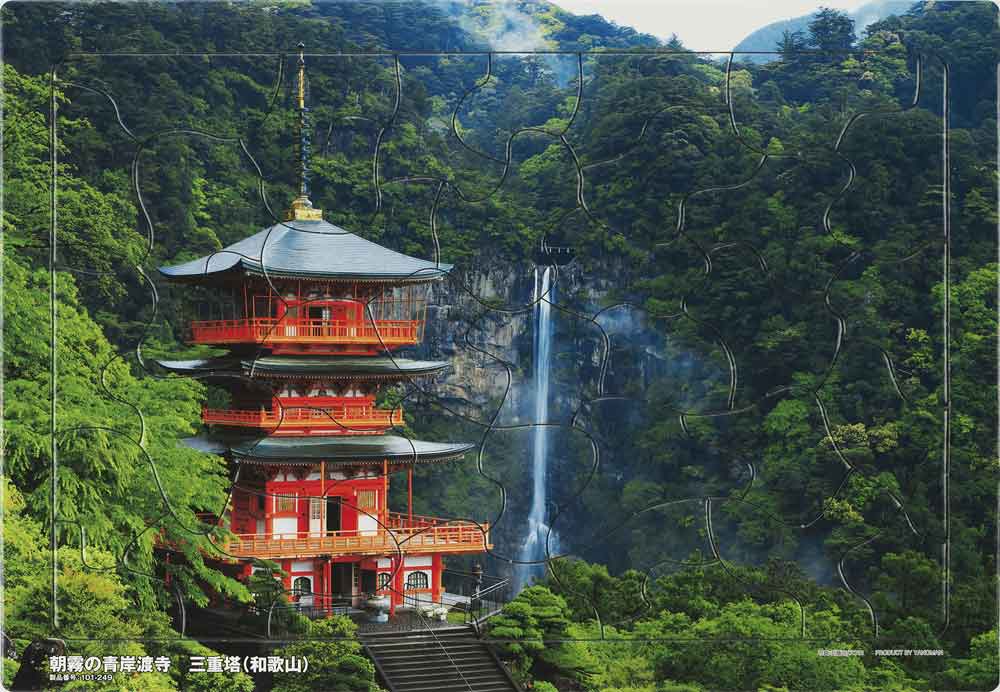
column 836, row 293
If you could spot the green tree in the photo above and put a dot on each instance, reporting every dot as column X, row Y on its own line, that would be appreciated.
column 336, row 661
column 532, row 633
column 980, row 671
column 831, row 30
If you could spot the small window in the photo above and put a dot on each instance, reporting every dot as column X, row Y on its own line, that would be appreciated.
column 284, row 503
column 316, row 508
column 416, row 580
column 302, row 586
column 383, row 580
column 366, row 500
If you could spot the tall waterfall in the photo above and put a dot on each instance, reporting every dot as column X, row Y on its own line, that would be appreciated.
column 534, row 548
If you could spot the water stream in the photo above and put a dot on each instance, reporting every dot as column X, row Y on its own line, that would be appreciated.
column 539, row 542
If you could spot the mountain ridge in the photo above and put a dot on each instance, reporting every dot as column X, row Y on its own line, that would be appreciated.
column 766, row 37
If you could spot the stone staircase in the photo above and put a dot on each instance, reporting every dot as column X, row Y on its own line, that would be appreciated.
column 451, row 659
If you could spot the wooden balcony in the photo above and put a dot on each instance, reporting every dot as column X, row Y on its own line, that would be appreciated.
column 422, row 535
column 267, row 330
column 331, row 418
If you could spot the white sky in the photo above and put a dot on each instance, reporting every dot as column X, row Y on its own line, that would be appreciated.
column 710, row 25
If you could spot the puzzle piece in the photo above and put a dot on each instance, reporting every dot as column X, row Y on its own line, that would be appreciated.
column 668, row 344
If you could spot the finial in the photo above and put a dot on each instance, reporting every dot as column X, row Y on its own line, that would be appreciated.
column 302, row 208
column 302, row 76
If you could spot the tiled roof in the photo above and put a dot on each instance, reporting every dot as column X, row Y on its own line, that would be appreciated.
column 313, row 250
column 290, row 366
column 347, row 448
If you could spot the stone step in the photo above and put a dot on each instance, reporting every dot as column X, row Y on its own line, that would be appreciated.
column 445, row 660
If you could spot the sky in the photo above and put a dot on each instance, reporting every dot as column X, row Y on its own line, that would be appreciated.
column 708, row 25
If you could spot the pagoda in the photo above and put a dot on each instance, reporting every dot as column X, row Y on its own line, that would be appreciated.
column 313, row 315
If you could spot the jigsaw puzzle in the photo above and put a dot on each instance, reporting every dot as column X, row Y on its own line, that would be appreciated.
column 484, row 346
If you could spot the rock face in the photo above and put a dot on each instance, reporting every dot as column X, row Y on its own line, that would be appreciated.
column 482, row 322
column 462, row 326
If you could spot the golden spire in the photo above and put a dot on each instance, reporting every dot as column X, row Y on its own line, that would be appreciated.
column 302, row 208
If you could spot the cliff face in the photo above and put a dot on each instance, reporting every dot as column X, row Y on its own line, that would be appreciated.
column 460, row 321
column 483, row 319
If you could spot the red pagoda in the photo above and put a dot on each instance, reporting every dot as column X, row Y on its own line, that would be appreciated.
column 314, row 314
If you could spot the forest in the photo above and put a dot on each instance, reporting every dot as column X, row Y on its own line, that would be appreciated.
column 797, row 426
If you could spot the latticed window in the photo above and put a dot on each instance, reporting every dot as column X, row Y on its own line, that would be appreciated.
column 383, row 580
column 316, row 508
column 366, row 500
column 417, row 580
column 302, row 586
column 284, row 503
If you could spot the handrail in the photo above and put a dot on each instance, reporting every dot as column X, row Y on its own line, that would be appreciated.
column 363, row 414
column 272, row 329
column 401, row 520
column 494, row 587
column 454, row 537
column 498, row 595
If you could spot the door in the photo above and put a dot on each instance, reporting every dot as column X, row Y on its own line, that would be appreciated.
column 319, row 321
column 289, row 322
column 315, row 517
column 332, row 513
column 368, row 581
column 342, row 578
column 344, row 315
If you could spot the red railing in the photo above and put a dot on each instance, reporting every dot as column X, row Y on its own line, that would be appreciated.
column 397, row 520
column 442, row 537
column 332, row 416
column 272, row 330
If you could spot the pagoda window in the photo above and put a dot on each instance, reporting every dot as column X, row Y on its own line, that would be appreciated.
column 285, row 503
column 368, row 501
column 417, row 580
column 302, row 586
column 384, row 579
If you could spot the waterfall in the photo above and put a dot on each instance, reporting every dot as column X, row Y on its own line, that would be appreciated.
column 534, row 548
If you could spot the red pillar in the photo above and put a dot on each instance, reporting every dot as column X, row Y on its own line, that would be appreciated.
column 396, row 570
column 409, row 493
column 437, row 571
column 328, row 581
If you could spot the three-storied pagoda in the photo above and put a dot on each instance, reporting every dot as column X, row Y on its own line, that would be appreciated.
column 316, row 313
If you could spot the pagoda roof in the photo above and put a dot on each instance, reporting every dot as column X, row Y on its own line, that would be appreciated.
column 298, row 366
column 307, row 249
column 346, row 450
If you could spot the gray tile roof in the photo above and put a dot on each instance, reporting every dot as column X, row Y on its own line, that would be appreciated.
column 309, row 249
column 348, row 449
column 291, row 366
